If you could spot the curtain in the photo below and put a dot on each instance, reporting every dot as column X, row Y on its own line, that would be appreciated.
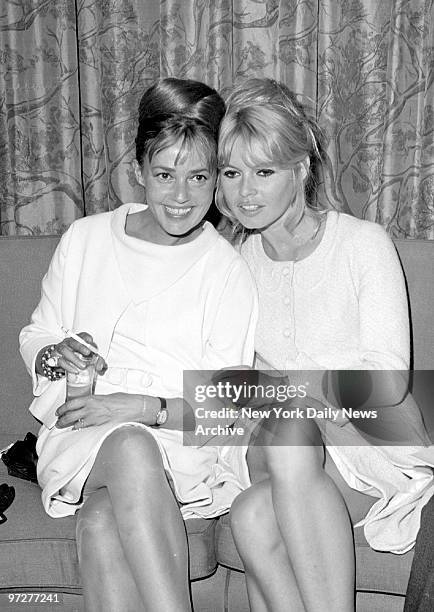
column 72, row 73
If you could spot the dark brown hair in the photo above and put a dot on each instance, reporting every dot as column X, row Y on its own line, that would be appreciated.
column 179, row 110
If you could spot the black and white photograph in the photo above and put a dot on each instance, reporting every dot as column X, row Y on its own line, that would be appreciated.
column 216, row 305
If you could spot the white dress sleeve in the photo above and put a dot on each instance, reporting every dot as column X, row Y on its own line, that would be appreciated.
column 384, row 336
column 231, row 342
column 45, row 323
column 383, row 307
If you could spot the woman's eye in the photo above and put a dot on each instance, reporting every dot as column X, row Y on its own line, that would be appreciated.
column 265, row 172
column 199, row 178
column 230, row 174
column 164, row 176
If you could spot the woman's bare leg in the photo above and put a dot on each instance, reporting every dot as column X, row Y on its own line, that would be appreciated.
column 312, row 520
column 149, row 523
column 108, row 585
column 271, row 584
column 315, row 527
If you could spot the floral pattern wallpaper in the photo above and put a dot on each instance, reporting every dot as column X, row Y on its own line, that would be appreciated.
column 72, row 72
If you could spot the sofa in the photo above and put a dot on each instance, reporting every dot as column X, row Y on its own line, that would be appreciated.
column 38, row 554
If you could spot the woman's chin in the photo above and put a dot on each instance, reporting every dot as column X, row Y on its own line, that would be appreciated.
column 251, row 224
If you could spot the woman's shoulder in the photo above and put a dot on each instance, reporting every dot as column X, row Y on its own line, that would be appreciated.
column 229, row 256
column 100, row 225
column 361, row 233
column 93, row 222
column 365, row 244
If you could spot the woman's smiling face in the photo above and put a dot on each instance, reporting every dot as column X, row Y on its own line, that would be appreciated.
column 179, row 191
column 258, row 195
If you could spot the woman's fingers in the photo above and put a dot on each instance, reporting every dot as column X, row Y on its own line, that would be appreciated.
column 77, row 347
column 101, row 366
column 87, row 338
column 77, row 418
column 68, row 360
column 70, row 350
column 69, row 408
column 70, row 418
column 90, row 408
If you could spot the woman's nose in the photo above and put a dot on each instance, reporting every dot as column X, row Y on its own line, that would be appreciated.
column 247, row 186
column 181, row 192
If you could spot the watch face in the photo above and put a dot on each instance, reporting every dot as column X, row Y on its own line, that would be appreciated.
column 162, row 417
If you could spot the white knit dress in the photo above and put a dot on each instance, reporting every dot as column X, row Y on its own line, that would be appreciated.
column 345, row 307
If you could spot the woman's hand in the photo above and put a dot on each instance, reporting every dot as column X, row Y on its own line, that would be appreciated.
column 91, row 410
column 246, row 386
column 67, row 354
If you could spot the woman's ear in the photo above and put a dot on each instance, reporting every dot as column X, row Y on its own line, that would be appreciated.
column 138, row 173
column 304, row 168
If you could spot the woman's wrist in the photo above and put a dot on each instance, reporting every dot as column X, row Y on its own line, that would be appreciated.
column 150, row 409
column 38, row 364
column 46, row 363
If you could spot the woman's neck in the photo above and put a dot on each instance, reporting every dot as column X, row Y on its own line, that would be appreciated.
column 283, row 242
column 142, row 225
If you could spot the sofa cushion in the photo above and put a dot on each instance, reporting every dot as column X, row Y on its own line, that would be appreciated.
column 36, row 550
column 380, row 571
column 376, row 571
column 201, row 537
column 39, row 551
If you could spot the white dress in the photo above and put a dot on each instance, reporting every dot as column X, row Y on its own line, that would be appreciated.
column 178, row 314
column 344, row 307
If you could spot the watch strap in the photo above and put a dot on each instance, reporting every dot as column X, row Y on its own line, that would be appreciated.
column 162, row 414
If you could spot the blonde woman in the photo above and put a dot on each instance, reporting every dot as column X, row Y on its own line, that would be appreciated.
column 331, row 297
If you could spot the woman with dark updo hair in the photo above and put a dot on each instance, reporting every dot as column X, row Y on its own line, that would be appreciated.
column 153, row 286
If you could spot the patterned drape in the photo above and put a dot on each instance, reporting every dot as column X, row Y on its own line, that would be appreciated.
column 72, row 73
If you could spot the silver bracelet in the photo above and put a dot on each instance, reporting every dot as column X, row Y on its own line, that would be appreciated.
column 51, row 372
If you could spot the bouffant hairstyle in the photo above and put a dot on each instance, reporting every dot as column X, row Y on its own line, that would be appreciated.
column 179, row 110
column 275, row 128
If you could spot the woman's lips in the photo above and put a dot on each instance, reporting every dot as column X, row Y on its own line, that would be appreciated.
column 177, row 211
column 250, row 209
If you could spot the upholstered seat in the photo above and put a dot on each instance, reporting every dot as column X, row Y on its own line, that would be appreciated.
column 38, row 553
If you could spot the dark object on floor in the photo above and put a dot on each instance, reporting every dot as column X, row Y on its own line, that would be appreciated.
column 7, row 495
column 420, row 588
column 21, row 458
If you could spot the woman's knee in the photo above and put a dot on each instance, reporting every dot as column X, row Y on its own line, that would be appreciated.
column 282, row 429
column 295, row 464
column 252, row 517
column 130, row 449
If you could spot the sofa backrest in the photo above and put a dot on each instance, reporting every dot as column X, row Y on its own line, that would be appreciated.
column 23, row 263
column 417, row 258
column 24, row 260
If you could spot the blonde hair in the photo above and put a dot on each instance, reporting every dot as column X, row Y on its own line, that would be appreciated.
column 274, row 128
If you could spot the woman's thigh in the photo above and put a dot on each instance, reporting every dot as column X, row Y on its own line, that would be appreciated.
column 124, row 454
column 283, row 444
column 358, row 503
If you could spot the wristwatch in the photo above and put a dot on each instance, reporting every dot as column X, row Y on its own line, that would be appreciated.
column 162, row 414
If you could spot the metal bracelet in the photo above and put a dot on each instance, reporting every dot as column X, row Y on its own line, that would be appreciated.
column 49, row 371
